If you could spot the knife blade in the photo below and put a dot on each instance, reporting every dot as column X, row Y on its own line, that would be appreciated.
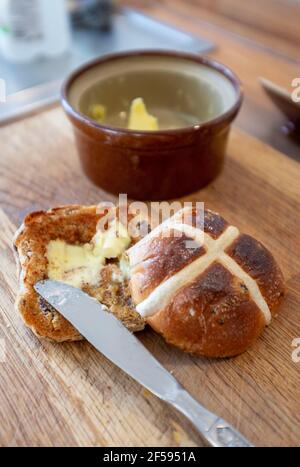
column 108, row 335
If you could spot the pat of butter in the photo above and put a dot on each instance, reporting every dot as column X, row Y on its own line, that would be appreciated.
column 81, row 264
column 139, row 118
column 73, row 264
column 98, row 112
column 112, row 242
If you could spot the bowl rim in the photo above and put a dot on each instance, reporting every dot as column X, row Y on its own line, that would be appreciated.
column 197, row 58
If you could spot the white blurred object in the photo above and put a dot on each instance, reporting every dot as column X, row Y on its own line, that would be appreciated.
column 31, row 28
column 56, row 27
column 21, row 29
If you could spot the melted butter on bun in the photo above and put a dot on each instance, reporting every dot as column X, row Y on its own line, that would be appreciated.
column 81, row 264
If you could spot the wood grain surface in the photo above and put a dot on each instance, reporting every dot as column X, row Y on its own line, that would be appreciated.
column 273, row 24
column 68, row 394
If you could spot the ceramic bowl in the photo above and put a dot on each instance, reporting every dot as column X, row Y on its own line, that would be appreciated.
column 197, row 96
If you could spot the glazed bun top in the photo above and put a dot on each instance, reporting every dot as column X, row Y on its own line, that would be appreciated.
column 195, row 273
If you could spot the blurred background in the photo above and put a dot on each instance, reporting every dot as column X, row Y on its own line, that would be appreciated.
column 42, row 41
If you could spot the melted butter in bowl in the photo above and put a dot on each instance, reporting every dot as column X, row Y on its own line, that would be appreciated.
column 139, row 118
column 177, row 143
column 164, row 99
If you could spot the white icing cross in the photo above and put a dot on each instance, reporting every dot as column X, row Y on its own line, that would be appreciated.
column 162, row 294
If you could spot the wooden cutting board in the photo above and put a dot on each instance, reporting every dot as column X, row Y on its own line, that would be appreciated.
column 69, row 394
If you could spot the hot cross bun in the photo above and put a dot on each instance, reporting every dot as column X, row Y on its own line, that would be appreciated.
column 209, row 291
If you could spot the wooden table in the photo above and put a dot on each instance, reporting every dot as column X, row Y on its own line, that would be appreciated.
column 256, row 39
column 52, row 394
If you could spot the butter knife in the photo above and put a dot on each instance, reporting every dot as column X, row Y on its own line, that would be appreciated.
column 108, row 335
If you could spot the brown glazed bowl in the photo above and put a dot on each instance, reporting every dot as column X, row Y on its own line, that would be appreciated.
column 153, row 165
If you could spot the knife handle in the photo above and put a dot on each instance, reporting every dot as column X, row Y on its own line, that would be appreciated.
column 216, row 431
